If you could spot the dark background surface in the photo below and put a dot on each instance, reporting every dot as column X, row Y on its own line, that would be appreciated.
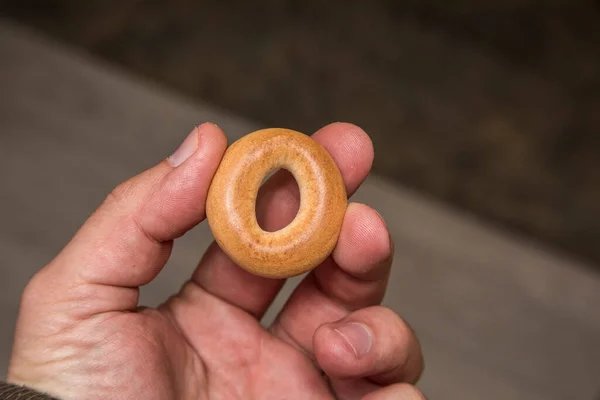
column 492, row 107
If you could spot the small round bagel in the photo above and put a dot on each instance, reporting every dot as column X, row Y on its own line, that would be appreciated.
column 231, row 203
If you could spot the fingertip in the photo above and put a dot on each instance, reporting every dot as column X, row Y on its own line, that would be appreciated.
column 205, row 136
column 352, row 150
column 212, row 141
column 364, row 248
column 210, row 145
column 355, row 138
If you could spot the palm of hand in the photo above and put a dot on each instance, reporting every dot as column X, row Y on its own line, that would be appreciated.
column 228, row 357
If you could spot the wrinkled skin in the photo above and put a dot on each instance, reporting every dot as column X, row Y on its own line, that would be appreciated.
column 81, row 334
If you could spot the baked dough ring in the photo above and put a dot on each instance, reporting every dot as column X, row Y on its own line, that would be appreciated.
column 231, row 203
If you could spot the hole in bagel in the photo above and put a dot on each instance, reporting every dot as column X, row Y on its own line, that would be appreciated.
column 278, row 200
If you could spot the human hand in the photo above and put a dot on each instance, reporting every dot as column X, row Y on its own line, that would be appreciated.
column 81, row 334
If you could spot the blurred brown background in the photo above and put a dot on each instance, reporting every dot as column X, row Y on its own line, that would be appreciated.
column 493, row 107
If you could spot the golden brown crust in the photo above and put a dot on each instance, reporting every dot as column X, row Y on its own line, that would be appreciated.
column 230, row 206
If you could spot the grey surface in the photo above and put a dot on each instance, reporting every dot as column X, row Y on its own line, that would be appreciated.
column 492, row 106
column 499, row 318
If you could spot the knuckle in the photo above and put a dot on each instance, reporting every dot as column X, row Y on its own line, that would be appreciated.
column 121, row 199
column 120, row 193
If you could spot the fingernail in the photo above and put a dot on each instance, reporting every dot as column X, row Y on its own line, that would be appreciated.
column 185, row 150
column 358, row 337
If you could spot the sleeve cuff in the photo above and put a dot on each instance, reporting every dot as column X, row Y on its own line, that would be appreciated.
column 9, row 391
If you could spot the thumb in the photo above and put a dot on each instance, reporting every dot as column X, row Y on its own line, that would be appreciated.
column 128, row 239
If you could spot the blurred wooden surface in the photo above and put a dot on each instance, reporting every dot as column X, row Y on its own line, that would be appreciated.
column 499, row 317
